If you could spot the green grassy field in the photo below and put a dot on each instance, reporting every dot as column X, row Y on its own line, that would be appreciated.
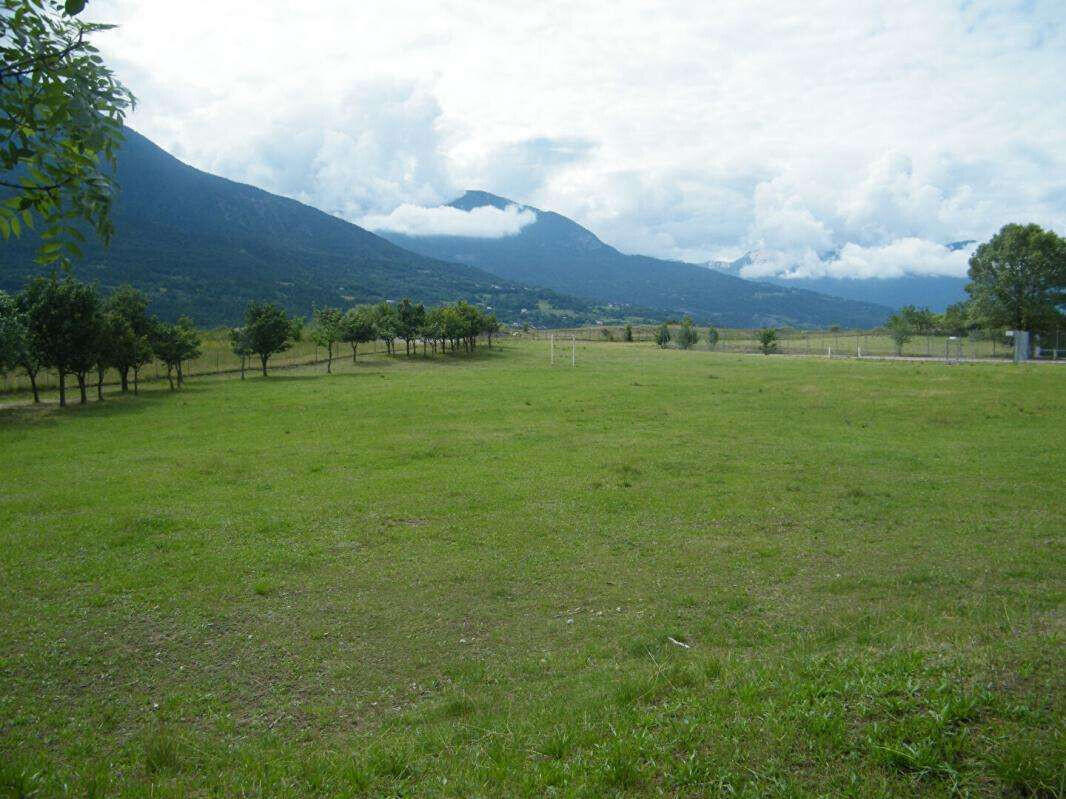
column 659, row 573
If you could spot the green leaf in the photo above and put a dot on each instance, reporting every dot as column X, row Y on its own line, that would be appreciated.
column 74, row 7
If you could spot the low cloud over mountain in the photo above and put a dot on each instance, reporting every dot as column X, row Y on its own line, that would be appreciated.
column 486, row 222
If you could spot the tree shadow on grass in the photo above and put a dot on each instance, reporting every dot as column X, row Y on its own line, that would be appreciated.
column 114, row 403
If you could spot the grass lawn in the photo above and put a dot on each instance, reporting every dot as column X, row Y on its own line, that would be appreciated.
column 659, row 573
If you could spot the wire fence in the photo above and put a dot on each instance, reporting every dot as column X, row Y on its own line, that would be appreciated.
column 979, row 345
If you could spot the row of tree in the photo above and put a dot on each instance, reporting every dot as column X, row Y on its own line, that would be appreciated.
column 66, row 326
column 685, row 338
column 455, row 327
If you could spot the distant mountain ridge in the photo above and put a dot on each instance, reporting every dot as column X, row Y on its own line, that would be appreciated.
column 556, row 252
column 932, row 291
column 201, row 245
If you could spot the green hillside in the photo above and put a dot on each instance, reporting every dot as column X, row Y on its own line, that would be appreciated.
column 204, row 246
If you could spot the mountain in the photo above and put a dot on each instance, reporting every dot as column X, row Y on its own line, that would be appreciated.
column 557, row 252
column 930, row 291
column 202, row 245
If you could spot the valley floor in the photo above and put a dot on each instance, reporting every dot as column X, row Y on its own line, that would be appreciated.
column 657, row 572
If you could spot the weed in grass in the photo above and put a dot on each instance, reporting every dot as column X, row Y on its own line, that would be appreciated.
column 161, row 752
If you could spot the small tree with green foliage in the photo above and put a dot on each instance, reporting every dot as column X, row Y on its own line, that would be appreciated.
column 409, row 321
column 387, row 324
column 240, row 346
column 900, row 329
column 12, row 333
column 269, row 330
column 129, row 330
column 62, row 322
column 174, row 344
column 712, row 337
column 328, row 329
column 490, row 326
column 768, row 340
column 687, row 335
column 16, row 346
column 627, row 334
column 956, row 320
column 359, row 327
column 662, row 335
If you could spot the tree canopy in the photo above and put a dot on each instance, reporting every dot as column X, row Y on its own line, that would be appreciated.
column 1018, row 279
column 269, row 330
column 687, row 335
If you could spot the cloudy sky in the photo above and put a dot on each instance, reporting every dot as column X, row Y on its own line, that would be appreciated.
column 691, row 130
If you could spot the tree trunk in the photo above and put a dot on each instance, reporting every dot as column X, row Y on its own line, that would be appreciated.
column 32, row 374
column 81, row 387
column 62, row 389
column 181, row 376
column 170, row 376
column 242, row 367
column 124, row 374
column 264, row 358
column 136, row 376
column 329, row 359
column 99, row 383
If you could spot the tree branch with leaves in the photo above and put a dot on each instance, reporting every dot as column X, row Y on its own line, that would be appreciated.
column 61, row 116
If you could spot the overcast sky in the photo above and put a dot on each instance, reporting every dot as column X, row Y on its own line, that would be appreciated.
column 689, row 130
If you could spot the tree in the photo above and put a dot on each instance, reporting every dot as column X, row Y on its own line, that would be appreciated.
column 433, row 328
column 238, row 342
column 62, row 110
column 662, row 335
column 175, row 343
column 712, row 337
column 901, row 329
column 409, row 321
column 358, row 327
column 63, row 325
column 12, row 333
column 921, row 320
column 327, row 331
column 16, row 346
column 956, row 320
column 112, row 334
column 142, row 354
column 768, row 340
column 490, row 326
column 627, row 334
column 687, row 335
column 386, row 323
column 130, row 332
column 467, row 323
column 1018, row 279
column 269, row 330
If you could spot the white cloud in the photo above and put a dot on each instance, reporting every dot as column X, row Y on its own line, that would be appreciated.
column 905, row 256
column 679, row 128
column 485, row 222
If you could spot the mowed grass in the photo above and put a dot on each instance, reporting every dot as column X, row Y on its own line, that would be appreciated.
column 658, row 573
